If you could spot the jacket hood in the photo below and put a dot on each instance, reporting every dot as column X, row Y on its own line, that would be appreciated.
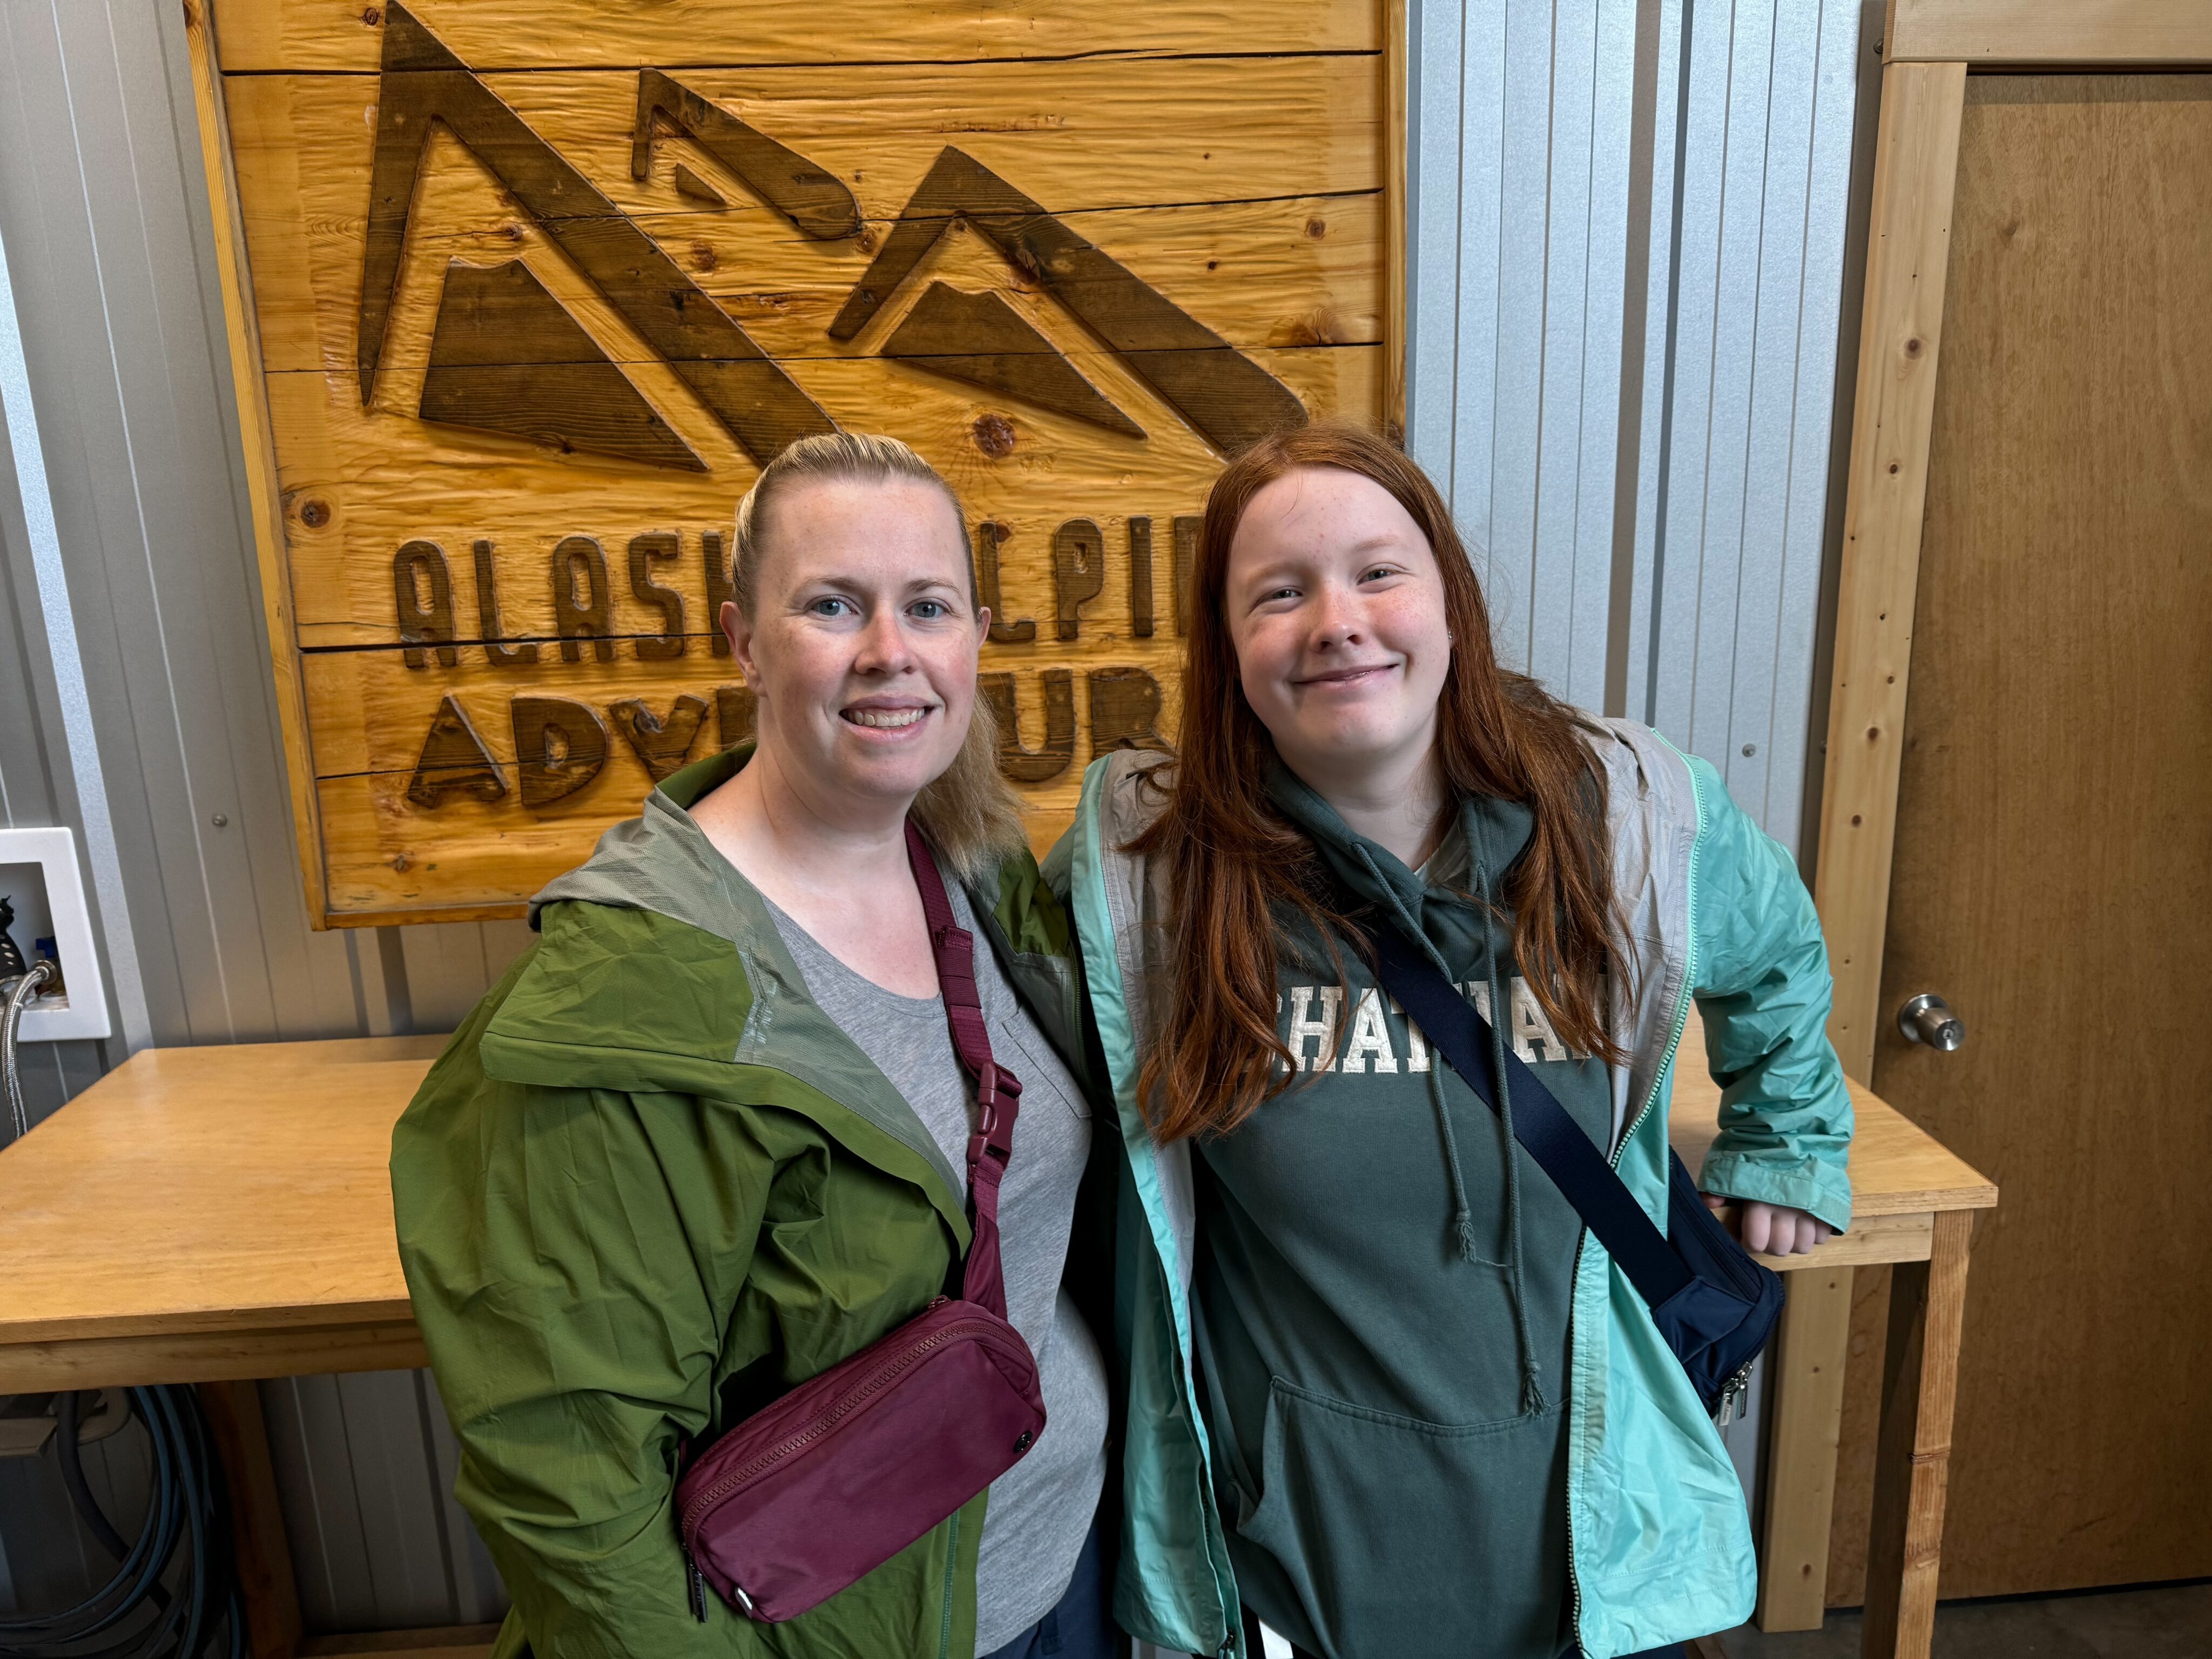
column 1489, row 836
column 662, row 861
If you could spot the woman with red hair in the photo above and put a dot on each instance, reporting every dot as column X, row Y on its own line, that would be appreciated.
column 1385, row 1396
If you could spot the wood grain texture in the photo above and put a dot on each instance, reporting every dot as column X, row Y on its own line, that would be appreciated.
column 2054, row 810
column 357, row 488
column 2047, row 33
column 980, row 340
column 243, row 1187
column 1900, row 336
column 258, row 443
column 1805, row 1373
column 344, row 36
column 1912, row 1457
column 242, row 1347
column 259, row 1548
column 1198, row 231
column 1265, row 248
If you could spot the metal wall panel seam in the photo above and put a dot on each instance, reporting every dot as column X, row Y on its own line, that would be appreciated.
column 1790, row 735
column 1640, row 171
column 1547, row 640
column 156, row 362
column 1771, row 447
column 1653, row 578
column 1482, row 232
column 1733, row 412
column 133, row 1022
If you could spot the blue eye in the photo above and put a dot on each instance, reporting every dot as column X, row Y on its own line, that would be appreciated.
column 829, row 607
column 930, row 610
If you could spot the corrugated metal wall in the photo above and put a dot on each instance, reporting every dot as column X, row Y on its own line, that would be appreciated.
column 1628, row 264
column 1628, row 220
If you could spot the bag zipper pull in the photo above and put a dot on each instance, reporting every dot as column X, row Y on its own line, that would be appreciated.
column 1732, row 1396
column 698, row 1587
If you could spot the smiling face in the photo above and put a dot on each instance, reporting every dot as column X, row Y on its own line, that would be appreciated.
column 863, row 642
column 1336, row 610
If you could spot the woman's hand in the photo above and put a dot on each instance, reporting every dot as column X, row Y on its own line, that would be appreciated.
column 1774, row 1229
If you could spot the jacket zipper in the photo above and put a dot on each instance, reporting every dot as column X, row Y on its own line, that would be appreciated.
column 873, row 1384
column 1674, row 1045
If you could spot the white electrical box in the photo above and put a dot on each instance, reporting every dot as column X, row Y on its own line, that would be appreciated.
column 39, row 877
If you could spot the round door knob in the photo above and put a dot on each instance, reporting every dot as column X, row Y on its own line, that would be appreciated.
column 1927, row 1019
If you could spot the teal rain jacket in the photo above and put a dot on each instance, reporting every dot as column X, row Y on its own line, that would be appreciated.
column 1659, row 1543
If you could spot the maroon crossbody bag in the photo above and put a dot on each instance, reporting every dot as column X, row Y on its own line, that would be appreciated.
column 819, row 1489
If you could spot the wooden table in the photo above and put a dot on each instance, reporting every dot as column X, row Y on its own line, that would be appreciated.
column 218, row 1215
column 1912, row 1207
column 213, row 1216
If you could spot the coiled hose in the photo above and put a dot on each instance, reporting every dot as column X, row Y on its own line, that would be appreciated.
column 144, row 1611
column 136, row 1615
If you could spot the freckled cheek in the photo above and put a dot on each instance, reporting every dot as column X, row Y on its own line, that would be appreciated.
column 1266, row 658
column 1413, row 624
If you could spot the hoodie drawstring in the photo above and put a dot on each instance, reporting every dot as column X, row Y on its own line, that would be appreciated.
column 1531, row 1385
column 1462, row 1221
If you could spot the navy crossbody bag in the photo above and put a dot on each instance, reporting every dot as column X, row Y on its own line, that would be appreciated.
column 1713, row 1303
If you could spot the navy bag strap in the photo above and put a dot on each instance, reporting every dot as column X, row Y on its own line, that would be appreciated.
column 1541, row 1124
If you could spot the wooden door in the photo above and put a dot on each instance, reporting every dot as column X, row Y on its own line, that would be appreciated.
column 2052, row 864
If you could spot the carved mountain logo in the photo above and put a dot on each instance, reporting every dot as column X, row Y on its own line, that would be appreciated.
column 506, row 355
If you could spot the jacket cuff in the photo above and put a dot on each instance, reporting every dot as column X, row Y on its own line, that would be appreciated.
column 1822, row 1191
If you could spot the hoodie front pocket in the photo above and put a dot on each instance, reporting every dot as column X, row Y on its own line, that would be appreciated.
column 1409, row 1537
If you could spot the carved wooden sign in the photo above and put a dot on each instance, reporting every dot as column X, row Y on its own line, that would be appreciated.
column 523, row 295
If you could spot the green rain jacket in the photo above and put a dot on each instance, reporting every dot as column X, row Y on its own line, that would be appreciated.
column 649, row 1186
column 1659, row 1545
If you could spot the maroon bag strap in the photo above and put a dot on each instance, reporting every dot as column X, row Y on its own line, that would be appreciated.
column 998, row 1090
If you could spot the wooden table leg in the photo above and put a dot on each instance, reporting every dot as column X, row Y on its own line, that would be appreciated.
column 257, row 1521
column 1806, row 1373
column 1912, row 1457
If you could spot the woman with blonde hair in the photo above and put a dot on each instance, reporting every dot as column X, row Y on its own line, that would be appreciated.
column 1387, row 1396
column 711, row 1139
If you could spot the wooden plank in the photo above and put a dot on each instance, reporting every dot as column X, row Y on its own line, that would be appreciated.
column 257, row 436
column 1872, row 1239
column 2022, row 33
column 264, row 35
column 1230, row 237
column 1806, row 1374
column 1920, row 1380
column 358, row 486
column 1900, row 336
column 238, row 1353
column 259, row 1549
column 243, row 1188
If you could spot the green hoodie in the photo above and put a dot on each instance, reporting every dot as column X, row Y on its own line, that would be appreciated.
column 1393, row 1461
column 648, row 1188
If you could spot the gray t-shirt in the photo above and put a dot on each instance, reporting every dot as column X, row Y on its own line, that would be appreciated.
column 1040, row 1510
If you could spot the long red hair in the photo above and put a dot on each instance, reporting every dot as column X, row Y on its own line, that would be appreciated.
column 1237, row 865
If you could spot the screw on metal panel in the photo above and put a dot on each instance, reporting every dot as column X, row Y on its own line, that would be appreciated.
column 219, row 821
column 1751, row 749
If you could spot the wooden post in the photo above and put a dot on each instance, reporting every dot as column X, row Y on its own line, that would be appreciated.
column 1916, row 166
column 256, row 1520
column 1807, row 1375
column 1912, row 1459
